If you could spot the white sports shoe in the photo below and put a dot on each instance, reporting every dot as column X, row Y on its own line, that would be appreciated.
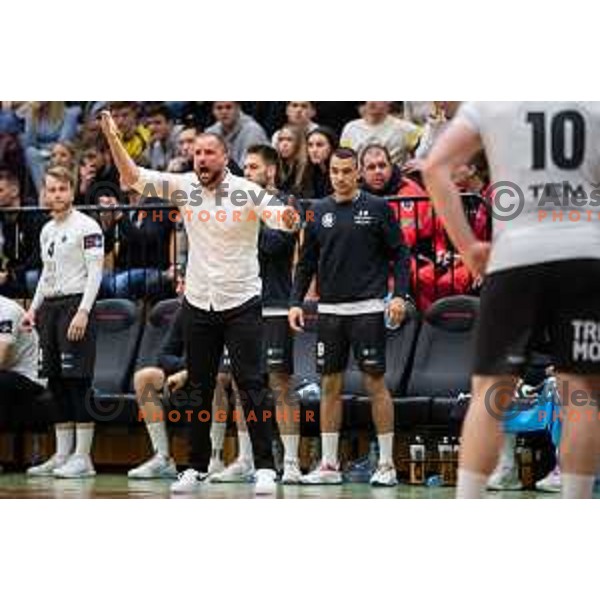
column 291, row 472
column 216, row 465
column 384, row 476
column 188, row 482
column 77, row 465
column 158, row 467
column 239, row 471
column 505, row 478
column 265, row 482
column 46, row 469
column 324, row 474
column 551, row 483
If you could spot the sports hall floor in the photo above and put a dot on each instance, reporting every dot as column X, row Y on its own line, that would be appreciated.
column 118, row 486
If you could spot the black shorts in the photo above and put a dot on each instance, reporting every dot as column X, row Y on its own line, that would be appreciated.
column 23, row 402
column 278, row 347
column 59, row 356
column 365, row 334
column 557, row 300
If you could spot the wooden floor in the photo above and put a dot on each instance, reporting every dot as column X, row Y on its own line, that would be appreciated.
column 118, row 486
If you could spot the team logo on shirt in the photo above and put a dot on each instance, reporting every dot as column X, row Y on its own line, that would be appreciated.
column 362, row 217
column 328, row 220
column 94, row 240
column 6, row 327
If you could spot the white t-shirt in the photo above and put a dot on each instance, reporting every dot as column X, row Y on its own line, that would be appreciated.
column 25, row 345
column 223, row 269
column 532, row 145
column 397, row 135
column 72, row 256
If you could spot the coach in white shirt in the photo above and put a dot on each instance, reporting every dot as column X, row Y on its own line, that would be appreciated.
column 222, row 304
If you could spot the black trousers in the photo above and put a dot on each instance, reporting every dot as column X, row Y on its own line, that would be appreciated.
column 24, row 403
column 241, row 329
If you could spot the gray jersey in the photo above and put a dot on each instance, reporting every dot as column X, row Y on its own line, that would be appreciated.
column 551, row 151
column 72, row 255
column 24, row 352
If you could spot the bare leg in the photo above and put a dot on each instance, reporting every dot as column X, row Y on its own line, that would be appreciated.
column 580, row 442
column 483, row 432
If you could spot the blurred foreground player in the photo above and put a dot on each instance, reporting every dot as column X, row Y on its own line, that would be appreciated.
column 540, row 270
column 350, row 241
column 72, row 248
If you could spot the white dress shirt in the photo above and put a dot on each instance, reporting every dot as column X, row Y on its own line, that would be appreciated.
column 222, row 229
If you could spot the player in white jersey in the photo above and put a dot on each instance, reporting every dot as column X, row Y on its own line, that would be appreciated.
column 72, row 250
column 22, row 395
column 542, row 269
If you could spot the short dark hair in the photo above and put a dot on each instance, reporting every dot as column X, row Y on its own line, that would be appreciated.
column 267, row 153
column 9, row 176
column 379, row 148
column 160, row 110
column 217, row 137
column 119, row 104
column 345, row 154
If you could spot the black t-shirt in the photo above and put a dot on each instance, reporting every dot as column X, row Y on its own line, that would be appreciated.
column 351, row 245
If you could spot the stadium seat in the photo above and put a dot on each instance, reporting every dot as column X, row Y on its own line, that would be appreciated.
column 119, row 330
column 443, row 359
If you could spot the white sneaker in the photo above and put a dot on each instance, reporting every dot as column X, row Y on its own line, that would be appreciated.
column 46, row 469
column 188, row 482
column 324, row 474
column 239, row 471
column 77, row 465
column 158, row 467
column 265, row 482
column 216, row 465
column 505, row 478
column 551, row 483
column 291, row 472
column 384, row 476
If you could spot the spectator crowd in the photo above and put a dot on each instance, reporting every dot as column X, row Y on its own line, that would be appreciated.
column 141, row 254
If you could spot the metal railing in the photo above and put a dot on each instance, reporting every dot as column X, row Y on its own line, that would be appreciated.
column 144, row 265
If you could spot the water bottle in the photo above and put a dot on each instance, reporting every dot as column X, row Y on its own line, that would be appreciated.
column 445, row 461
column 417, row 462
column 455, row 456
column 525, row 463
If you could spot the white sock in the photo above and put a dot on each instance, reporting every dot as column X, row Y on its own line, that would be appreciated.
column 470, row 485
column 576, row 486
column 245, row 447
column 329, row 443
column 157, row 430
column 217, row 437
column 386, row 448
column 65, row 436
column 507, row 454
column 84, row 436
column 290, row 447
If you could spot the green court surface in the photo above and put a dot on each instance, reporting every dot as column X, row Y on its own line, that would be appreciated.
column 118, row 486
